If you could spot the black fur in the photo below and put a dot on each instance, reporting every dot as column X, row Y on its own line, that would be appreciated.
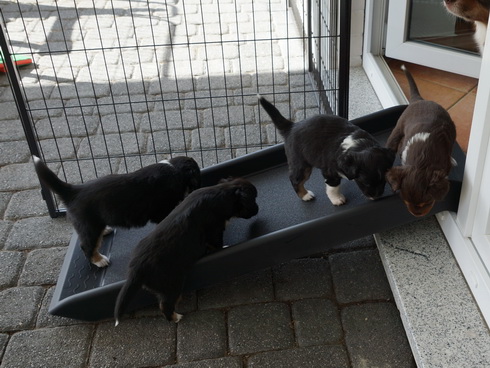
column 317, row 142
column 162, row 260
column 125, row 200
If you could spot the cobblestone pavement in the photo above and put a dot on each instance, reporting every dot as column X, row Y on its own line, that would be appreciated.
column 332, row 310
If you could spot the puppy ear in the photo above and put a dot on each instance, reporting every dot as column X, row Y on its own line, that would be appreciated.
column 395, row 176
column 439, row 185
column 347, row 164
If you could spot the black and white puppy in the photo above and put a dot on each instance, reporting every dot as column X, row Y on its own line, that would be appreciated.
column 162, row 260
column 335, row 146
column 125, row 200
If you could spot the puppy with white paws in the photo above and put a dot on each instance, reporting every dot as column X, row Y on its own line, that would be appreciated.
column 161, row 261
column 336, row 147
column 125, row 200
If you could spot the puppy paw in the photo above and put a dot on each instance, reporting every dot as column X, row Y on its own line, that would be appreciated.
column 100, row 260
column 308, row 196
column 108, row 230
column 338, row 201
column 176, row 317
column 335, row 196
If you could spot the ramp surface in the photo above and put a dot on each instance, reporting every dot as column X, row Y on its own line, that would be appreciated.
column 285, row 228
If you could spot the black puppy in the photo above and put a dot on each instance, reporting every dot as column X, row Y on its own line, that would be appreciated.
column 335, row 146
column 162, row 260
column 125, row 200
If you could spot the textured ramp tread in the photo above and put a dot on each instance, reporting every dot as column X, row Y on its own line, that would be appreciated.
column 285, row 228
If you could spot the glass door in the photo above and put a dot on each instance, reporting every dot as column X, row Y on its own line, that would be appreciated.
column 423, row 32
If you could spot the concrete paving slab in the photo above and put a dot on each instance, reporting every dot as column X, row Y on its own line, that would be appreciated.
column 201, row 335
column 140, row 342
column 375, row 337
column 333, row 356
column 19, row 306
column 359, row 276
column 58, row 347
column 259, row 327
column 304, row 278
column 10, row 267
column 42, row 267
column 316, row 322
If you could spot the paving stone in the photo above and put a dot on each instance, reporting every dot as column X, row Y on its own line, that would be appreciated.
column 39, row 232
column 226, row 362
column 13, row 152
column 27, row 203
column 252, row 288
column 5, row 228
column 201, row 335
column 359, row 276
column 11, row 131
column 45, row 319
column 134, row 343
column 18, row 177
column 58, row 347
column 303, row 278
column 4, row 201
column 10, row 267
column 375, row 337
column 316, row 322
column 19, row 306
column 42, row 266
column 330, row 356
column 259, row 327
column 3, row 343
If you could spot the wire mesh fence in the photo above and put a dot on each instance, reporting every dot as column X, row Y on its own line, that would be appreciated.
column 118, row 84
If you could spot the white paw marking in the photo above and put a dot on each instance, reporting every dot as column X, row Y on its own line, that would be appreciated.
column 335, row 196
column 108, row 230
column 102, row 262
column 308, row 196
column 176, row 317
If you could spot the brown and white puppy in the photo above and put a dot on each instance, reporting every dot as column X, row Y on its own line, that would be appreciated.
column 476, row 11
column 125, row 200
column 335, row 146
column 424, row 136
column 162, row 260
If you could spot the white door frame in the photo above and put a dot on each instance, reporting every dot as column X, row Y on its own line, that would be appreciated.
column 465, row 231
column 398, row 47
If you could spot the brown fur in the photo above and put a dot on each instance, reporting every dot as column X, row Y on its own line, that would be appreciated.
column 424, row 136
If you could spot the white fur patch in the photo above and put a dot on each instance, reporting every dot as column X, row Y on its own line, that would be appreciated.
column 308, row 196
column 176, row 317
column 480, row 35
column 419, row 137
column 167, row 162
column 36, row 159
column 335, row 196
column 348, row 143
column 103, row 262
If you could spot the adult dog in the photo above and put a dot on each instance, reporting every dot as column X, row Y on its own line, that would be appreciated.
column 338, row 148
column 476, row 11
column 424, row 136
column 162, row 260
column 125, row 200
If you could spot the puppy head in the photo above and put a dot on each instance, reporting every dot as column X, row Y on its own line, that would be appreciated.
column 244, row 194
column 188, row 167
column 470, row 10
column 419, row 189
column 368, row 169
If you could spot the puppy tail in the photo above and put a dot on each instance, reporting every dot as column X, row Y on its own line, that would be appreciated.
column 414, row 91
column 129, row 289
column 282, row 124
column 46, row 176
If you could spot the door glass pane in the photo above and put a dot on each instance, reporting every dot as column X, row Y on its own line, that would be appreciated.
column 429, row 22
